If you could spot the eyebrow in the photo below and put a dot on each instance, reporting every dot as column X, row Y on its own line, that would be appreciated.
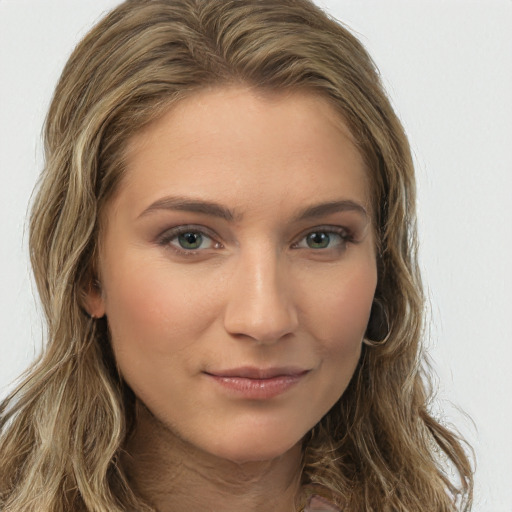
column 216, row 210
column 190, row 205
column 322, row 209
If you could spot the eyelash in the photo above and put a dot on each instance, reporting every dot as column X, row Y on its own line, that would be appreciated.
column 344, row 234
column 166, row 239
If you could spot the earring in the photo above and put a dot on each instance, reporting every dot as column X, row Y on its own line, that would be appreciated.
column 379, row 328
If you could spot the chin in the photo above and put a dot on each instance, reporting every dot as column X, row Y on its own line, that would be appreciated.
column 256, row 447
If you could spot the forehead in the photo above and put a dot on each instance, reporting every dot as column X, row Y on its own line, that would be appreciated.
column 236, row 141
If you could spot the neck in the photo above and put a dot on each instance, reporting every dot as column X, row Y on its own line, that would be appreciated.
column 174, row 476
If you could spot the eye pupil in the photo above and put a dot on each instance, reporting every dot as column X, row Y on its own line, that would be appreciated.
column 190, row 240
column 318, row 240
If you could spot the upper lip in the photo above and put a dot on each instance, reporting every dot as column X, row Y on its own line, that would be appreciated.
column 250, row 372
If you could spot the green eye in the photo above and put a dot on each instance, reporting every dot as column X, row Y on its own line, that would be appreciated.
column 190, row 240
column 324, row 239
column 318, row 240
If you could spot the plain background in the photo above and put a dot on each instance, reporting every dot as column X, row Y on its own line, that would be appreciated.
column 447, row 65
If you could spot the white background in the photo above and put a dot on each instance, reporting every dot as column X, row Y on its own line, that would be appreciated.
column 447, row 65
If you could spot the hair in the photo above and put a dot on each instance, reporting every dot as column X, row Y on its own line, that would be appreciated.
column 62, row 430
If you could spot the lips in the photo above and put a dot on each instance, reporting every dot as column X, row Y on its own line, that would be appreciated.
column 248, row 372
column 257, row 383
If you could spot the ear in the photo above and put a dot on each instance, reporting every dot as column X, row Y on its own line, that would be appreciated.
column 92, row 299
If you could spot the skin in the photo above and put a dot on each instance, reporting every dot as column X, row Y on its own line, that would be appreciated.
column 255, row 292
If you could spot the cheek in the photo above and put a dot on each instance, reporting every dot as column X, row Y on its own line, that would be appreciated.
column 338, row 312
column 156, row 318
column 338, row 319
column 150, row 309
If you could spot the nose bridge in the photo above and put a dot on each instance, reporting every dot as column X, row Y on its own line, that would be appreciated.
column 260, row 304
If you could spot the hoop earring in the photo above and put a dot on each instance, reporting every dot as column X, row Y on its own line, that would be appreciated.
column 378, row 330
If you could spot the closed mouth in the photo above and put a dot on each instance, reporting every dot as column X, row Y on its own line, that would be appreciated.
column 256, row 383
column 249, row 372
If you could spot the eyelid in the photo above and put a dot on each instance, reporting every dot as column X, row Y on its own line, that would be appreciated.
column 167, row 236
column 345, row 233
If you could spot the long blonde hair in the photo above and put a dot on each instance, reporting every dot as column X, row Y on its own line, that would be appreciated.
column 62, row 430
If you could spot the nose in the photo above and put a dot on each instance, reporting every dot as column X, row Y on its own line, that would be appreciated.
column 260, row 304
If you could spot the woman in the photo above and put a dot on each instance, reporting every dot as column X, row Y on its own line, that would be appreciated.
column 224, row 244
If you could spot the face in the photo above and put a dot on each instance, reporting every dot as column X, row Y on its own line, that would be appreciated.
column 237, row 268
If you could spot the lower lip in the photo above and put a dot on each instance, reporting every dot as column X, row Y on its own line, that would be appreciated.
column 258, row 389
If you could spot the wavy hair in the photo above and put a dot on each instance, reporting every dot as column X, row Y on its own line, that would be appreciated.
column 63, row 428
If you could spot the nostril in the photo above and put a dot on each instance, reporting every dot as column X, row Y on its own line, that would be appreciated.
column 265, row 325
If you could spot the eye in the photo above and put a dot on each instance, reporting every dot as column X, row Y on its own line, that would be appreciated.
column 191, row 240
column 332, row 238
column 320, row 240
column 188, row 239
